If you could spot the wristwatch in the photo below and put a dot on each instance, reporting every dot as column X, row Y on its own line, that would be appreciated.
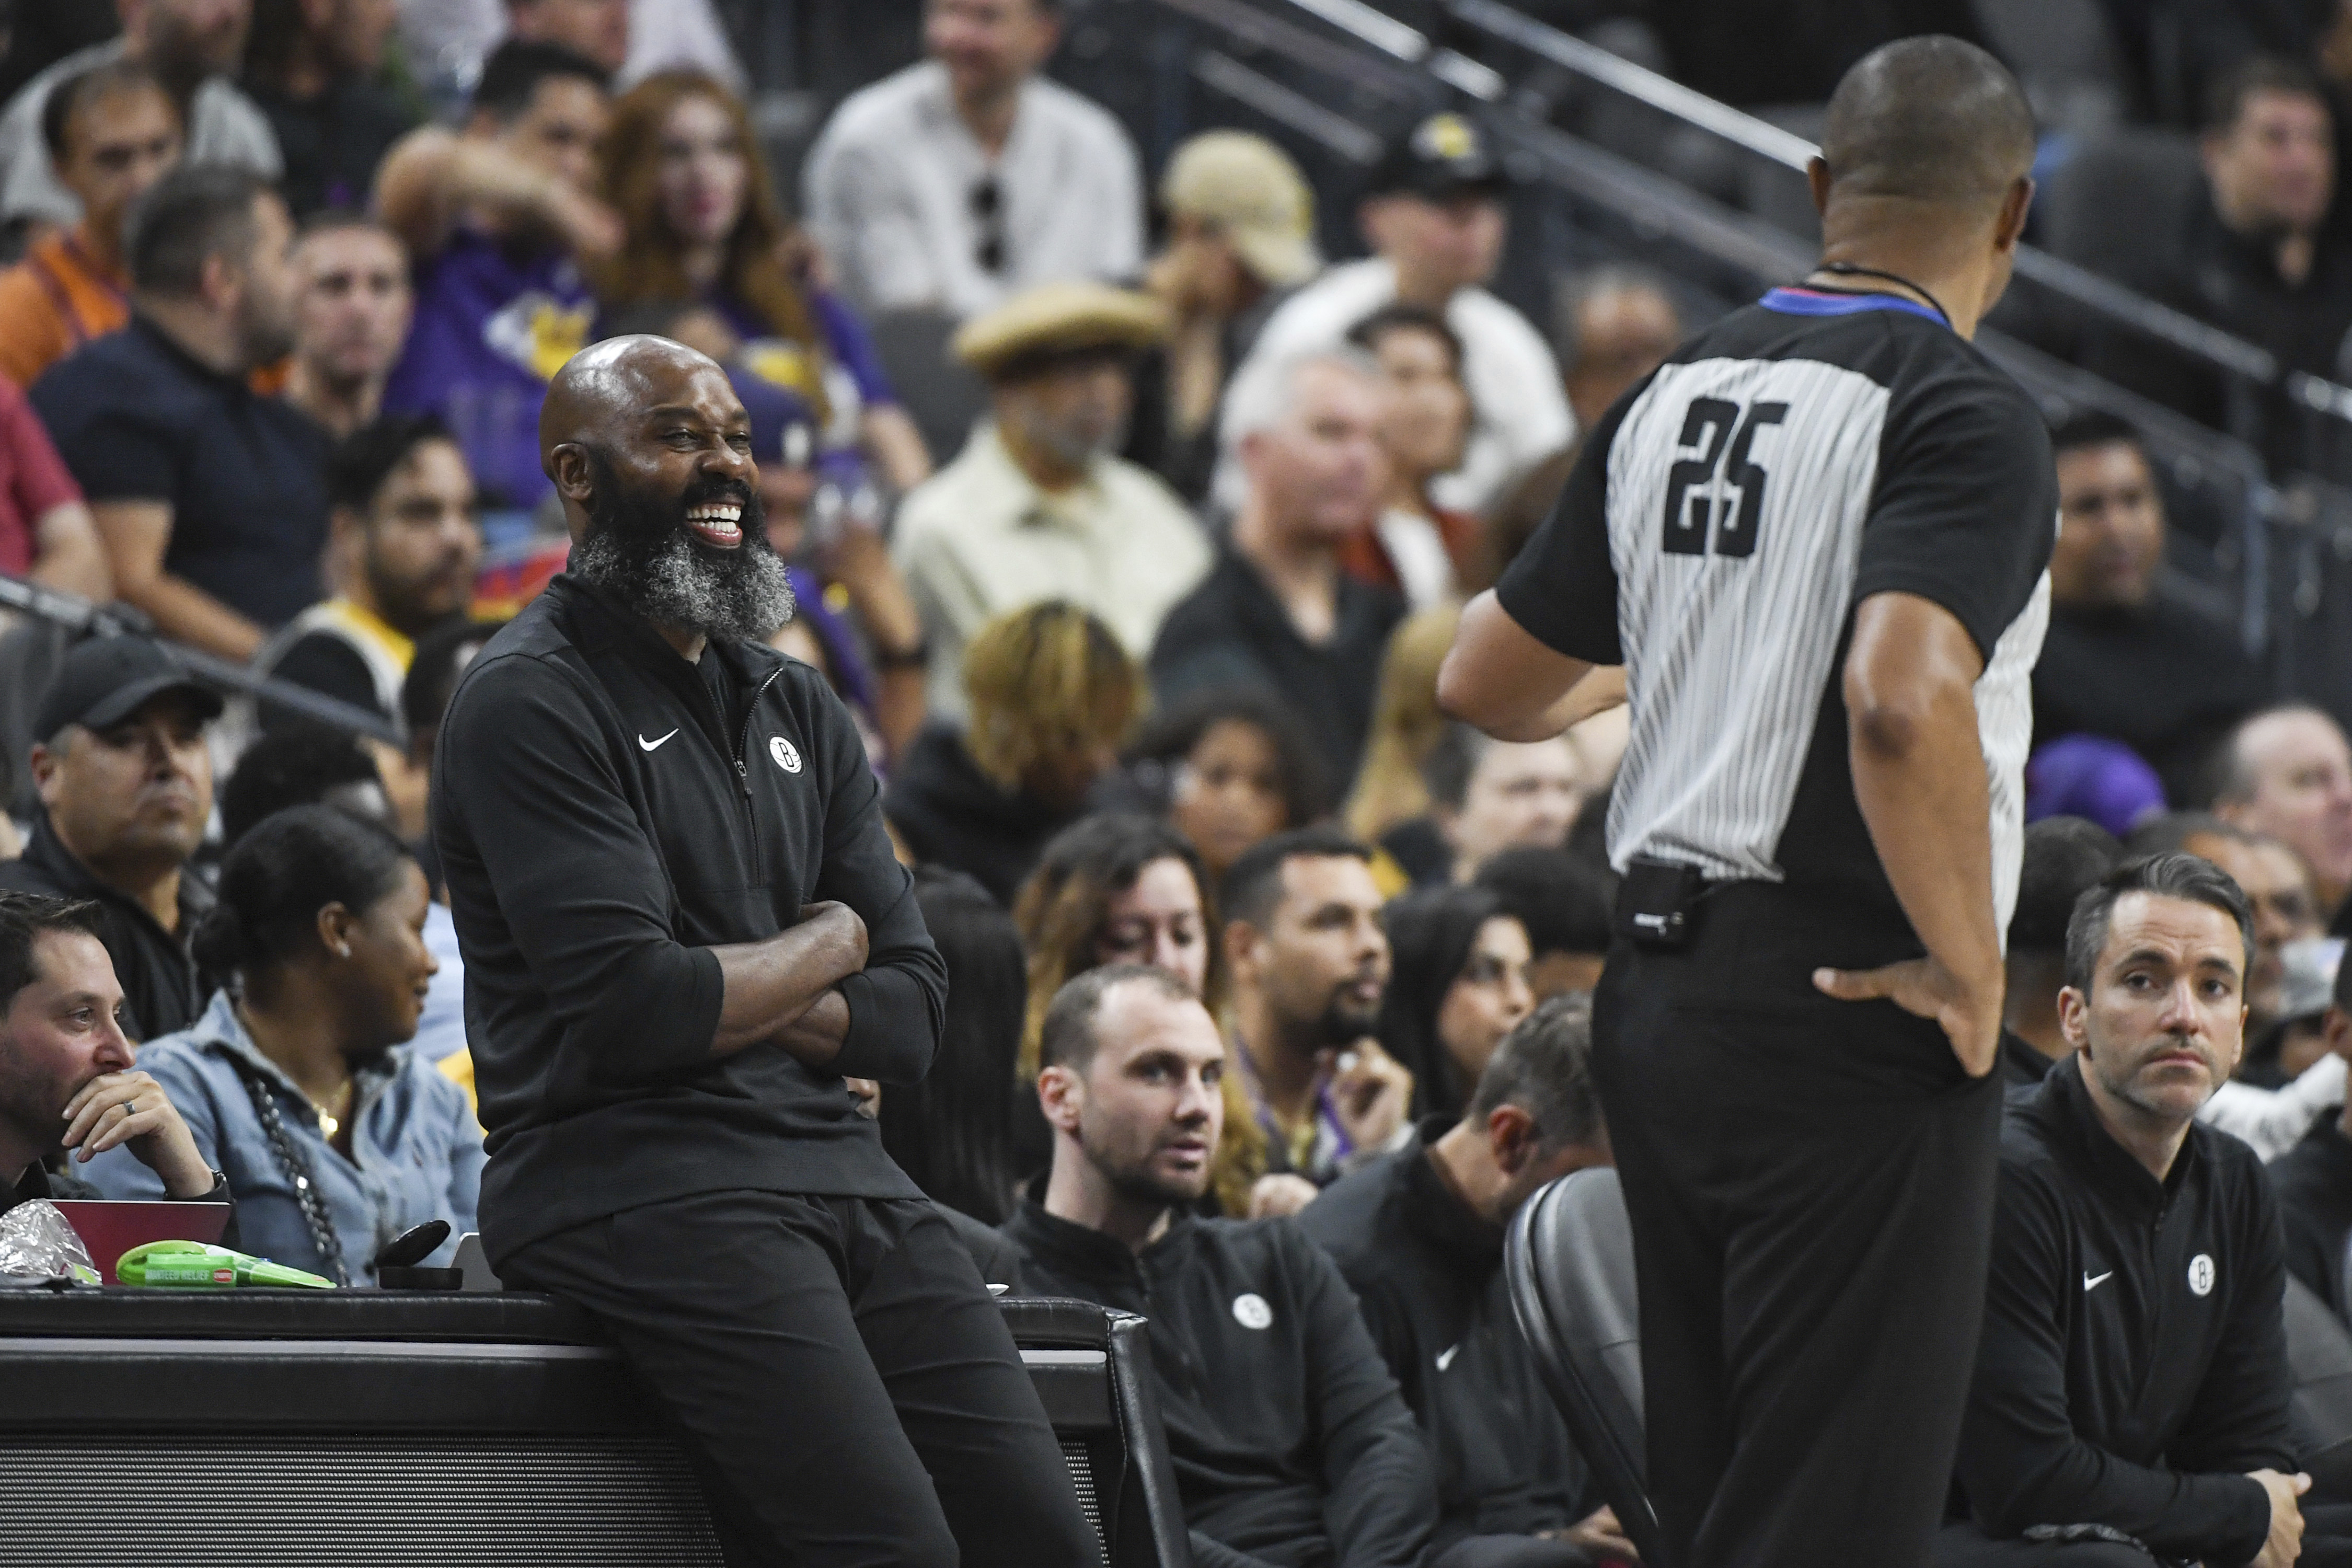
column 215, row 1193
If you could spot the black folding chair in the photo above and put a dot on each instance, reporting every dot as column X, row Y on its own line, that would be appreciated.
column 2320, row 1409
column 1093, row 1370
column 1569, row 1261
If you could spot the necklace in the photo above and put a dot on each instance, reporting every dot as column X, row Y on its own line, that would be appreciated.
column 1854, row 269
column 332, row 1110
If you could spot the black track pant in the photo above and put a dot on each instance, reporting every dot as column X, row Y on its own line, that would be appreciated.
column 850, row 1384
column 1810, row 1188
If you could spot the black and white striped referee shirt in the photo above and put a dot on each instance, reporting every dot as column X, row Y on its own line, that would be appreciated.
column 1726, row 518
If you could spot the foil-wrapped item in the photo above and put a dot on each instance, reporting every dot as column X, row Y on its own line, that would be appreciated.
column 38, row 1242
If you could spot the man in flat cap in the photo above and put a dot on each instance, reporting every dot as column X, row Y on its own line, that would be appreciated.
column 1037, row 506
column 1435, row 218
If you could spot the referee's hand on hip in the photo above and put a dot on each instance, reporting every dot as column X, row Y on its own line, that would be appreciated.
column 1969, row 1015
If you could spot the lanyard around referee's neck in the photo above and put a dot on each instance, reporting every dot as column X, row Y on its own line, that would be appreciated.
column 1854, row 269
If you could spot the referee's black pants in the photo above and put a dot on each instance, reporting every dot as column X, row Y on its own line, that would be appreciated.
column 1810, row 1188
column 854, row 1394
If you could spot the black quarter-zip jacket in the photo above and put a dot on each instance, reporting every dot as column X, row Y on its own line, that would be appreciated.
column 2133, row 1367
column 1290, row 1444
column 602, row 826
column 1428, row 1273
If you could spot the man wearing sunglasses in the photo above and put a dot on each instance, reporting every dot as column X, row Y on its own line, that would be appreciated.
column 969, row 176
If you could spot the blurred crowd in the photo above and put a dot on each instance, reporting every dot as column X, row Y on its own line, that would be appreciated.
column 1137, row 590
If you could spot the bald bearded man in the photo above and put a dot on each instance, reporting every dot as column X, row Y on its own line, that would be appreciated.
column 683, row 927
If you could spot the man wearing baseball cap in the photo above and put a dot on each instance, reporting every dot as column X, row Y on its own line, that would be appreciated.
column 1241, row 227
column 1434, row 217
column 126, row 787
column 1037, row 505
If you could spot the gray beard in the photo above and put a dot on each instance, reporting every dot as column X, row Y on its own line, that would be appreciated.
column 745, row 598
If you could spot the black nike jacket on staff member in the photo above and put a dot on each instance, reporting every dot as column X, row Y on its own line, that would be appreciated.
column 1290, row 1445
column 602, row 826
column 2133, row 1364
column 606, row 814
column 1428, row 1273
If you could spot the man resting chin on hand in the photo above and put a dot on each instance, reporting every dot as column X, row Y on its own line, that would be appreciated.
column 66, row 1082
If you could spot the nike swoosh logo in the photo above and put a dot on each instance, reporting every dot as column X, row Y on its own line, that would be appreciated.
column 2092, row 1282
column 644, row 744
column 1446, row 1357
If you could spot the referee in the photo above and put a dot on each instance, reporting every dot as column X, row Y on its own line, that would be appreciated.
column 1816, row 540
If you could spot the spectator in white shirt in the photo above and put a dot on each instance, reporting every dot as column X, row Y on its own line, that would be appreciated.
column 192, row 46
column 959, row 181
column 1037, row 506
column 1436, row 223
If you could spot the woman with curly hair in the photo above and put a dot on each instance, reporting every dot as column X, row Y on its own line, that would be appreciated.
column 681, row 165
column 1122, row 888
column 1052, row 696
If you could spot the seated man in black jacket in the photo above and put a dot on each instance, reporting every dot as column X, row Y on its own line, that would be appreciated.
column 1292, row 1449
column 1419, row 1236
column 2132, row 1381
column 2314, row 1179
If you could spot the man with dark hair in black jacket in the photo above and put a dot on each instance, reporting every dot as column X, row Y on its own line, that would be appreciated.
column 1291, row 1447
column 2132, row 1383
column 1419, row 1236
column 683, row 927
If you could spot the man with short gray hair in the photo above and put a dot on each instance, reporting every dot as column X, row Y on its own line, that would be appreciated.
column 1276, row 611
column 2287, row 771
column 1419, row 1236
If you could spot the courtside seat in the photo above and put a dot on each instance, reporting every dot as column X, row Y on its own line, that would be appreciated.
column 1570, row 1260
column 2319, row 1358
column 379, row 1429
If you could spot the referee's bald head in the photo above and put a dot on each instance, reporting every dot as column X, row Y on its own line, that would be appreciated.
column 1931, row 119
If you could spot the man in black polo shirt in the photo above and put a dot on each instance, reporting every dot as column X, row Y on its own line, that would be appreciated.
column 2132, row 1379
column 683, row 927
column 1816, row 540
column 211, row 499
column 1276, row 611
column 126, row 782
column 1419, row 1236
column 2314, row 1179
